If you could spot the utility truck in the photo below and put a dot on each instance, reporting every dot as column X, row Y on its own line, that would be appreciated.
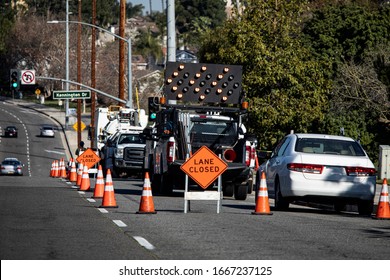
column 119, row 139
column 202, row 105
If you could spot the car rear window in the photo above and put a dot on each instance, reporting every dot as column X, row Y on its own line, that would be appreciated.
column 10, row 162
column 329, row 146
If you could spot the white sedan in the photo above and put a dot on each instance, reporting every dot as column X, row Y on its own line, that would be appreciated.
column 47, row 131
column 320, row 168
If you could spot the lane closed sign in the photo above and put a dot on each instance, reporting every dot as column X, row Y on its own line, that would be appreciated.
column 88, row 158
column 204, row 167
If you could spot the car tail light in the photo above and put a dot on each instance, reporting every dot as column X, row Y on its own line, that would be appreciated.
column 229, row 155
column 360, row 171
column 171, row 150
column 305, row 168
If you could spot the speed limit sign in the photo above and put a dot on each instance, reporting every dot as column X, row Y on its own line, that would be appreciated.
column 27, row 77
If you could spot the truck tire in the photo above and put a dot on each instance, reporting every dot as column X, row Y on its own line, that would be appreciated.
column 241, row 191
column 115, row 172
column 228, row 189
column 161, row 185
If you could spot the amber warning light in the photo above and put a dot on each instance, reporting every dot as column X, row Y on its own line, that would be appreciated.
column 205, row 83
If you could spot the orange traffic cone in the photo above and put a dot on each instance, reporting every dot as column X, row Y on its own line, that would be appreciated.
column 79, row 174
column 109, row 195
column 146, row 205
column 62, row 169
column 262, row 203
column 73, row 173
column 383, row 211
column 99, row 185
column 56, row 172
column 52, row 169
column 69, row 169
column 85, row 182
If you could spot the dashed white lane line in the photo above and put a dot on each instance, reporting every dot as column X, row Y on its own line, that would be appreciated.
column 91, row 200
column 144, row 243
column 119, row 223
column 102, row 210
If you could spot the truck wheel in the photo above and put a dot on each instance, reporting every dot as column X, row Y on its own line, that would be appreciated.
column 156, row 183
column 228, row 189
column 115, row 172
column 161, row 185
column 251, row 181
column 241, row 191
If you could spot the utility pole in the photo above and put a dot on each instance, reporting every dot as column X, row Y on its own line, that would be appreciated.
column 67, row 65
column 79, row 74
column 122, row 24
column 93, row 76
column 171, row 36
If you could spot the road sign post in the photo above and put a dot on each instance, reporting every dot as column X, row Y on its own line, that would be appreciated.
column 204, row 167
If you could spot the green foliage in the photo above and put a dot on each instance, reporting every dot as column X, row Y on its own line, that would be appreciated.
column 6, row 23
column 148, row 46
column 285, row 85
column 346, row 32
column 107, row 11
column 192, row 15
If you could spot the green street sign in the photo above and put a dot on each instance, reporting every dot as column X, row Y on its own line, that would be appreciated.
column 73, row 94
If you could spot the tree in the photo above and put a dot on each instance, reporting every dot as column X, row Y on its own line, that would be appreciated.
column 148, row 46
column 285, row 85
column 133, row 11
column 347, row 32
column 355, row 38
column 188, row 13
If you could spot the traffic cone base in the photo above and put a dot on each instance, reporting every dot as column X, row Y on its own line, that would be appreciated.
column 383, row 211
column 146, row 205
column 262, row 203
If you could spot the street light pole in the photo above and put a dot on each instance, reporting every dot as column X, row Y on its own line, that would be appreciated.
column 67, row 65
column 128, row 41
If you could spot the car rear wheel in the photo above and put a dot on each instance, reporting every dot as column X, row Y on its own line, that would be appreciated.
column 339, row 206
column 365, row 207
column 280, row 202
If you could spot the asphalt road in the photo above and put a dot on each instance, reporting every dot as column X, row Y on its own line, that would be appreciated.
column 47, row 218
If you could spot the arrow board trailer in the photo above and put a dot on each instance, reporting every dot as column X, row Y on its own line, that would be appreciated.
column 202, row 105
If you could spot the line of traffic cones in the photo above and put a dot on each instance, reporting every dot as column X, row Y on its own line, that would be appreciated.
column 262, row 203
column 103, row 188
column 383, row 211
